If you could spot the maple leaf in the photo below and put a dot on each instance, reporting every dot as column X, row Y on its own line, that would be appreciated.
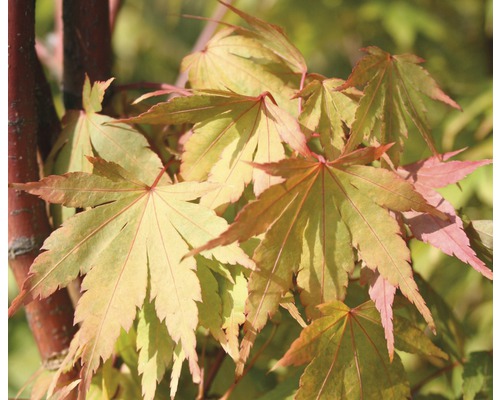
column 272, row 37
column 86, row 133
column 136, row 233
column 313, row 220
column 393, row 92
column 249, row 61
column 478, row 376
column 447, row 235
column 230, row 131
column 326, row 111
column 344, row 350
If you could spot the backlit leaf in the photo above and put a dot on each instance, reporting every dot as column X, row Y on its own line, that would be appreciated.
column 394, row 85
column 448, row 236
column 155, row 349
column 87, row 133
column 313, row 221
column 230, row 132
column 272, row 37
column 382, row 294
column 327, row 112
column 233, row 296
column 242, row 64
column 345, row 350
column 210, row 307
column 144, row 231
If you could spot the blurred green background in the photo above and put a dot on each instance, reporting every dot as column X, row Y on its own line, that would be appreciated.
column 454, row 37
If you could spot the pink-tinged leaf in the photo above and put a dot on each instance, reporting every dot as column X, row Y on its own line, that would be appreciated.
column 434, row 173
column 447, row 235
column 312, row 221
column 382, row 294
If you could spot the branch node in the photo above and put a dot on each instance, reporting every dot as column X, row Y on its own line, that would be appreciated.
column 24, row 245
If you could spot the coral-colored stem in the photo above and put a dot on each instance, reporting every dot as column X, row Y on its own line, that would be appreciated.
column 51, row 320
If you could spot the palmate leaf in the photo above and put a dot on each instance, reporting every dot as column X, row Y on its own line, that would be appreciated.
column 327, row 111
column 313, row 221
column 448, row 236
column 345, row 350
column 272, row 37
column 230, row 131
column 249, row 61
column 136, row 230
column 393, row 93
column 86, row 133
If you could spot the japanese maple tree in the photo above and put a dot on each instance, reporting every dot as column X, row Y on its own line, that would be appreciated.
column 282, row 195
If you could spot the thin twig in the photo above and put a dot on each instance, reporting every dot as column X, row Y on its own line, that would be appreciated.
column 204, row 37
column 201, row 385
column 434, row 375
column 214, row 369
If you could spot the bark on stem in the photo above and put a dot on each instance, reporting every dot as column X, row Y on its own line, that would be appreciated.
column 51, row 320
column 49, row 125
column 87, row 47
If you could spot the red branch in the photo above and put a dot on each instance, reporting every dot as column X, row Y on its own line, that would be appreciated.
column 51, row 320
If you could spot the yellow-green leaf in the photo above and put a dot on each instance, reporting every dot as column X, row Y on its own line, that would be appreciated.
column 86, row 133
column 244, row 65
column 230, row 132
column 155, row 347
column 312, row 222
column 118, row 244
column 328, row 112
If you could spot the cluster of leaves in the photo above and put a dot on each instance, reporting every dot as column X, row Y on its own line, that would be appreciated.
column 301, row 197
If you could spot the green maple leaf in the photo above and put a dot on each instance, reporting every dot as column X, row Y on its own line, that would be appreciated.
column 393, row 93
column 136, row 233
column 327, row 111
column 345, row 350
column 312, row 221
column 478, row 376
column 230, row 132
